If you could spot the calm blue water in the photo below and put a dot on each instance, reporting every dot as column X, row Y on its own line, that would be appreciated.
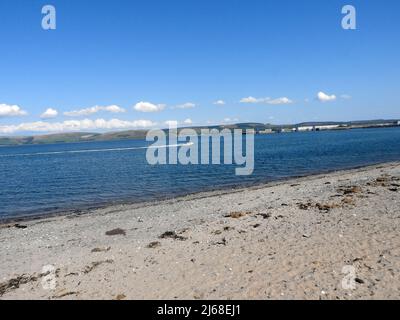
column 41, row 179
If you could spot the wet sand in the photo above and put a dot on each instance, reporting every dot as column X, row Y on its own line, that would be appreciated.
column 330, row 236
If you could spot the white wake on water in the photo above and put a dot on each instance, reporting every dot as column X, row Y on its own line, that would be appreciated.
column 96, row 150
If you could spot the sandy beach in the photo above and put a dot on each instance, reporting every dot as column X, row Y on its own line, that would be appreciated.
column 331, row 236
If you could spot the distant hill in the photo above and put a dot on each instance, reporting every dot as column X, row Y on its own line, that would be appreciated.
column 73, row 137
column 119, row 135
column 46, row 139
column 141, row 134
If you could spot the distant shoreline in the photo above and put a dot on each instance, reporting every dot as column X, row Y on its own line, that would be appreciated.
column 256, row 128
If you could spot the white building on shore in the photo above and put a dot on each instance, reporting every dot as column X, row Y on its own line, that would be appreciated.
column 327, row 127
column 318, row 128
column 305, row 128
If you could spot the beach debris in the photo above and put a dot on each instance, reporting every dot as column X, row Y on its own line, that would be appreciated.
column 116, row 232
column 65, row 293
column 305, row 206
column 104, row 249
column 358, row 259
column 72, row 274
column 172, row 235
column 222, row 242
column 15, row 283
column 154, row 244
column 228, row 228
column 349, row 190
column 325, row 206
column 20, row 226
column 393, row 189
column 237, row 214
column 95, row 264
column 381, row 181
column 120, row 296
column 264, row 215
column 256, row 225
column 358, row 280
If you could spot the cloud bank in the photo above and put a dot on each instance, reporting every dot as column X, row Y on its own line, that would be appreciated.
column 7, row 110
column 277, row 101
column 76, row 125
column 93, row 110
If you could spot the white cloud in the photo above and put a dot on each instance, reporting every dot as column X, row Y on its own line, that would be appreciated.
column 49, row 113
column 323, row 97
column 282, row 100
column 187, row 105
column 113, row 109
column 219, row 102
column 188, row 121
column 148, row 107
column 7, row 110
column 93, row 110
column 345, row 96
column 75, row 125
column 254, row 100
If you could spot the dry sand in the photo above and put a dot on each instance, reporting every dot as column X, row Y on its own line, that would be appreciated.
column 289, row 240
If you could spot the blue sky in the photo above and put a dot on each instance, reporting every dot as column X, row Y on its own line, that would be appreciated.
column 180, row 57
